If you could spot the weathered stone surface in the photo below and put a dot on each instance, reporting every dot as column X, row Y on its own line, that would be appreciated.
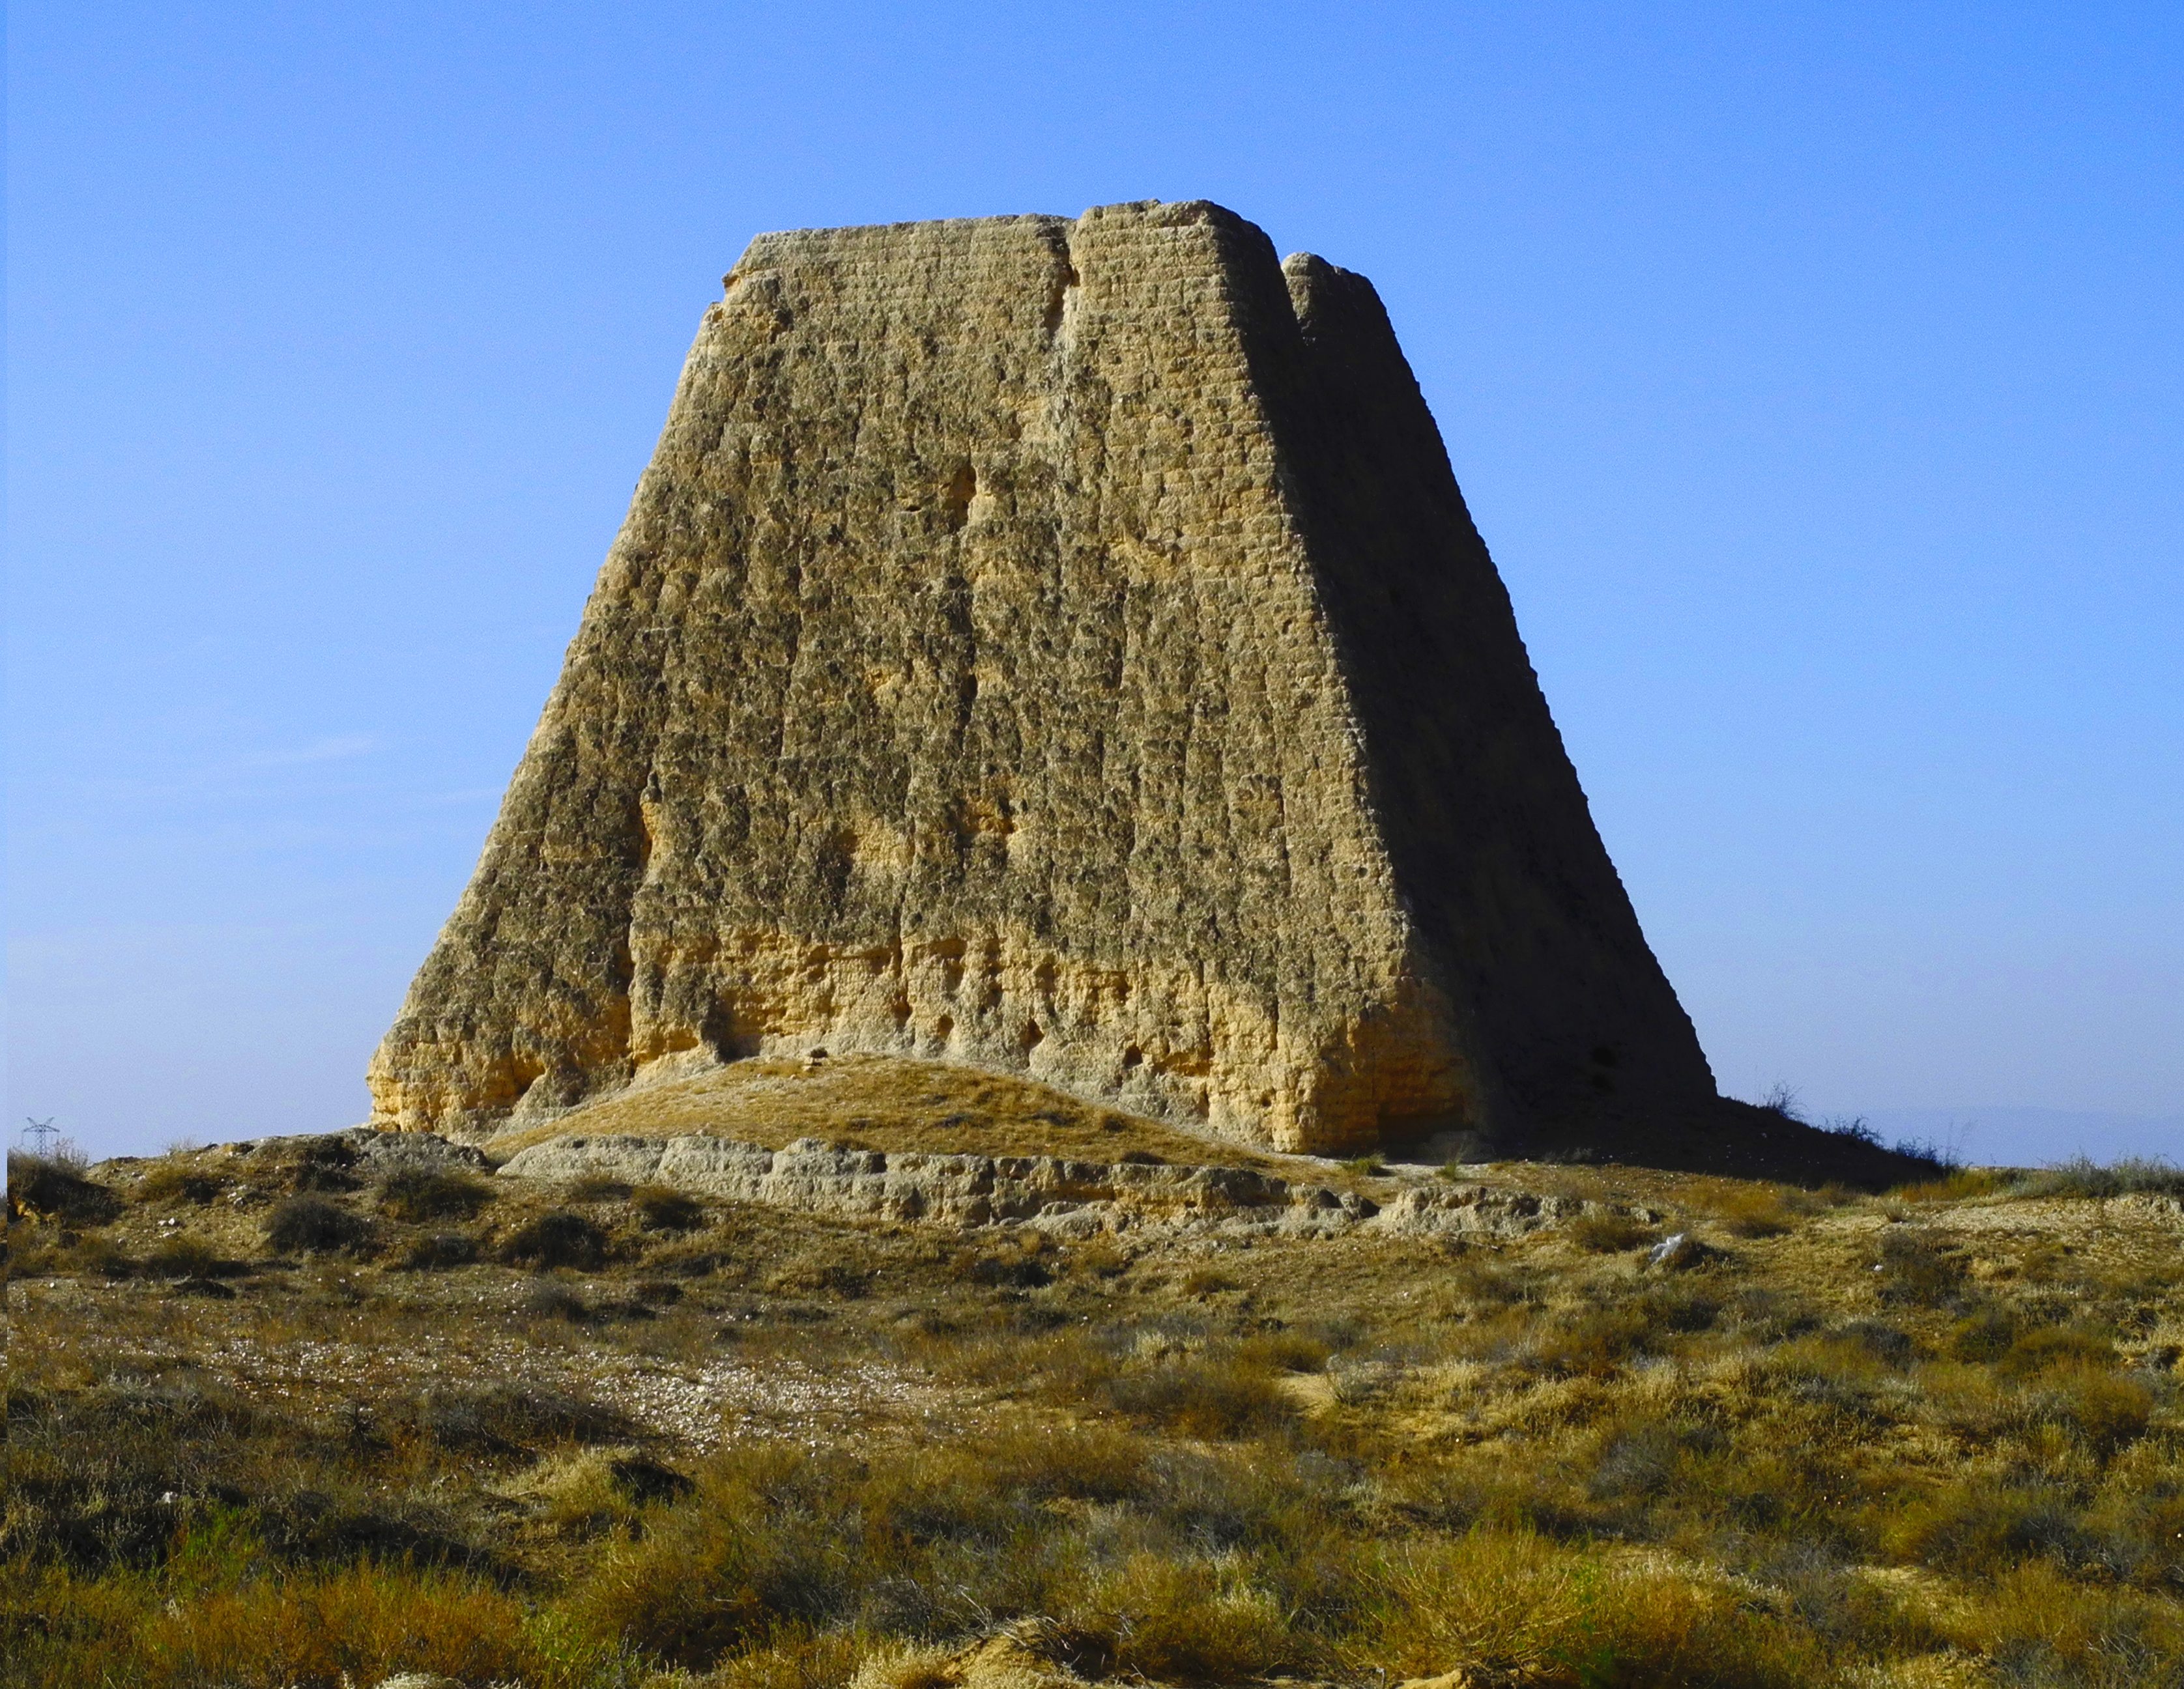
column 1059, row 647
column 1047, row 1191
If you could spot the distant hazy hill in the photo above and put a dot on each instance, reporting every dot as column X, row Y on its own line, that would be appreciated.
column 2021, row 1136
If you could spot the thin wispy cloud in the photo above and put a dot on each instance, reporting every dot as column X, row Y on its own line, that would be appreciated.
column 332, row 750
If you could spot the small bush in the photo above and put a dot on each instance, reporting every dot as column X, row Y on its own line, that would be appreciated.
column 1102, row 1259
column 550, row 1299
column 1892, row 1348
column 1782, row 1099
column 1916, row 1270
column 1984, row 1335
column 558, row 1239
column 2094, row 1406
column 170, row 1181
column 1515, row 1607
column 438, row 1251
column 2051, row 1348
column 1461, row 1149
column 504, row 1418
column 419, row 1194
column 361, row 1624
column 316, row 1223
column 52, row 1187
column 2132, row 1175
column 1638, row 1462
column 1364, row 1167
column 2047, row 1629
column 686, row 1261
column 1012, row 1272
column 662, row 1208
column 599, row 1187
column 182, row 1257
column 323, row 1163
column 1605, row 1232
column 1757, row 1212
column 1982, row 1529
column 645, row 1481
column 1219, row 1394
column 1598, row 1341
column 1960, row 1185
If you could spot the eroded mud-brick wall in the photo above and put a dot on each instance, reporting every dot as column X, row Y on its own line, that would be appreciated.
column 1060, row 647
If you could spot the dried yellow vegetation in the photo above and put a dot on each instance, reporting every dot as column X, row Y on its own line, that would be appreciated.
column 275, row 1419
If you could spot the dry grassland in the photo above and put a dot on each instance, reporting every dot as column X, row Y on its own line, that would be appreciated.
column 275, row 1422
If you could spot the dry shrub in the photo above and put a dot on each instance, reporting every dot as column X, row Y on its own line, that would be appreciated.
column 1985, row 1334
column 183, row 1256
column 1159, row 1562
column 2080, row 1176
column 438, row 1251
column 761, row 1548
column 795, row 1656
column 2047, row 1631
column 551, row 1299
column 1960, row 1184
column 50, row 1186
column 1549, row 1614
column 1600, row 1340
column 2139, row 1532
column 660, row 1207
column 1606, row 1232
column 1102, row 1259
column 1980, row 1530
column 1220, row 1391
column 1850, row 1611
column 316, row 1223
column 171, row 1181
column 686, row 1260
column 1012, row 1272
column 1917, row 1271
column 1759, row 1211
column 1167, row 1619
column 2050, row 1347
column 2092, row 1404
column 323, row 1163
column 359, row 1624
column 416, row 1194
column 504, row 1417
column 1285, row 1350
column 1638, row 1461
column 558, row 1239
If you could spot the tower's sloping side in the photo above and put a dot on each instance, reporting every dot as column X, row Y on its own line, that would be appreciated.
column 1036, row 643
column 1527, row 922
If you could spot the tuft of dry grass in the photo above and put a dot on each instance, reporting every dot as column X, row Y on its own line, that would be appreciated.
column 659, row 1209
column 1608, row 1231
column 60, row 1630
column 417, row 1195
column 557, row 1239
column 1759, row 1212
column 316, row 1223
column 1515, row 1603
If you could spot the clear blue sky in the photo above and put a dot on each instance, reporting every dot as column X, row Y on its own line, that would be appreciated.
column 1813, row 371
